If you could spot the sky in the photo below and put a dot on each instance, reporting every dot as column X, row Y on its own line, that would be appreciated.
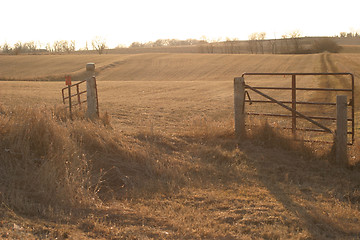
column 127, row 21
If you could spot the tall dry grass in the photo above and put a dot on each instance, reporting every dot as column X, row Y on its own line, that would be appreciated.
column 42, row 165
column 261, row 132
column 48, row 162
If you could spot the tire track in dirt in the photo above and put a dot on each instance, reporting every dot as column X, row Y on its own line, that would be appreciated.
column 327, row 65
column 347, row 64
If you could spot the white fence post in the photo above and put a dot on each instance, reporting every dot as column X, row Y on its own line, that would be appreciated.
column 91, row 92
column 341, row 130
column 239, row 114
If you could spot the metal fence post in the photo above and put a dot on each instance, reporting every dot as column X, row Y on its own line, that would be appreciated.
column 239, row 105
column 341, row 130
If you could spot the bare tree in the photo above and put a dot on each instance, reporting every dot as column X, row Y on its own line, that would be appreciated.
column 6, row 48
column 48, row 47
column 253, row 46
column 261, row 37
column 30, row 46
column 72, row 46
column 273, row 46
column 136, row 45
column 99, row 44
column 18, row 47
column 285, row 48
column 343, row 34
column 57, row 46
column 295, row 37
column 232, row 46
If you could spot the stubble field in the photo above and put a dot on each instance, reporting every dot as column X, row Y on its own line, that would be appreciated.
column 180, row 173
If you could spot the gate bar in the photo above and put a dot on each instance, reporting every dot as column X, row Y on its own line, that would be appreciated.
column 289, row 74
column 288, row 108
column 307, row 89
column 311, row 103
column 289, row 116
column 320, row 89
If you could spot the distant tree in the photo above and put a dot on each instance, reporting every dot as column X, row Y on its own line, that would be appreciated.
column 57, row 46
column 136, row 45
column 6, row 48
column 120, row 46
column 343, row 34
column 231, row 46
column 18, row 48
column 253, row 46
column 295, row 38
column 261, row 37
column 203, row 39
column 99, row 44
column 210, row 47
column 291, row 42
column 72, row 46
column 273, row 46
column 48, row 47
column 256, row 42
column 326, row 44
column 161, row 43
column 30, row 46
column 285, row 46
column 62, row 46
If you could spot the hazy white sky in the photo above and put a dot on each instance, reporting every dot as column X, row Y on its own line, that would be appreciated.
column 126, row 21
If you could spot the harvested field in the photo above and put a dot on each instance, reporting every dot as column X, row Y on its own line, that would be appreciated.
column 163, row 162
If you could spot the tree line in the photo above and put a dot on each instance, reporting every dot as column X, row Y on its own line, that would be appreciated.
column 62, row 46
column 257, row 43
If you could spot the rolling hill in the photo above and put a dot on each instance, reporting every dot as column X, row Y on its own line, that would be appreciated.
column 162, row 162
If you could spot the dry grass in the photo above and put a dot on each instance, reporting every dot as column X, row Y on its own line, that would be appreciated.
column 41, row 166
column 194, row 184
column 162, row 163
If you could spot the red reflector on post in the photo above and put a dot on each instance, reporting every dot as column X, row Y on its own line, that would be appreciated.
column 68, row 80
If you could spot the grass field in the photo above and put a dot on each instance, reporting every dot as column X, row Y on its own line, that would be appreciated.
column 167, row 166
column 163, row 88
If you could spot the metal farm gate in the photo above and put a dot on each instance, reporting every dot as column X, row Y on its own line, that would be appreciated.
column 85, row 92
column 303, row 104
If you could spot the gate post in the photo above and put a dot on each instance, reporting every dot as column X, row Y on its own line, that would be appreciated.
column 341, row 130
column 91, row 92
column 239, row 105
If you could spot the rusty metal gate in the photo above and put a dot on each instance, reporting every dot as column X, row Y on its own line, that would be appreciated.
column 258, row 94
column 78, row 94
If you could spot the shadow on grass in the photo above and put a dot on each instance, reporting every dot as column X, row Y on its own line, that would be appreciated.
column 304, row 181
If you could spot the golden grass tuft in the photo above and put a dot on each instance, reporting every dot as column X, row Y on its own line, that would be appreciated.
column 41, row 165
column 49, row 162
column 271, row 135
column 204, row 128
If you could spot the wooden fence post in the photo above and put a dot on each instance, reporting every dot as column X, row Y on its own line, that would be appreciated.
column 341, row 130
column 239, row 105
column 91, row 92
